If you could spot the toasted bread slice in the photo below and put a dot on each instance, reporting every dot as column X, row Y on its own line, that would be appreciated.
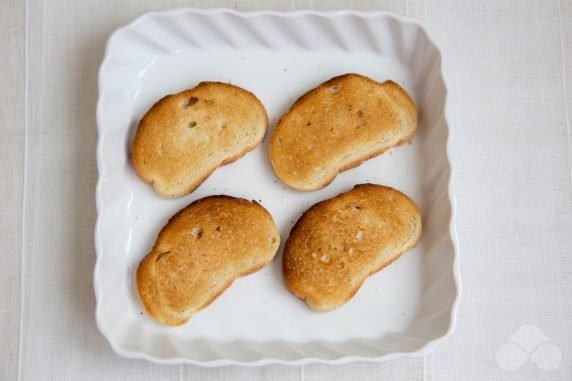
column 184, row 137
column 337, row 126
column 200, row 252
column 340, row 242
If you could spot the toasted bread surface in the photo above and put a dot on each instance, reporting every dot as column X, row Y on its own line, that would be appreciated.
column 200, row 252
column 184, row 137
column 339, row 242
column 337, row 126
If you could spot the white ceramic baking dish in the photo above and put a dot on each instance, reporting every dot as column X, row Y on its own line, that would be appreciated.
column 405, row 310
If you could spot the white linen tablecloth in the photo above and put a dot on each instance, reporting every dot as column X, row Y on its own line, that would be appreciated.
column 509, row 70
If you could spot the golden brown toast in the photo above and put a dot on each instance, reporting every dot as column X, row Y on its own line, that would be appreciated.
column 184, row 137
column 337, row 126
column 339, row 242
column 200, row 252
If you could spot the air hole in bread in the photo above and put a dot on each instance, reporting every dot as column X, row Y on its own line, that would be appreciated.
column 334, row 89
column 222, row 125
column 351, row 251
column 161, row 256
column 309, row 124
column 360, row 236
column 325, row 258
column 336, row 218
column 192, row 124
column 189, row 102
column 359, row 113
column 357, row 126
column 217, row 229
column 209, row 101
column 197, row 232
column 272, row 240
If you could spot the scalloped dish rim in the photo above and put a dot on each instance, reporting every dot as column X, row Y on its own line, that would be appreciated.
column 426, row 348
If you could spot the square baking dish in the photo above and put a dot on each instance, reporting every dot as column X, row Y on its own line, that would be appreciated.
column 404, row 310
